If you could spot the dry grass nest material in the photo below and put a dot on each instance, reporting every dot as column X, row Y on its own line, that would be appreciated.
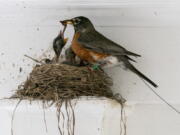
column 60, row 81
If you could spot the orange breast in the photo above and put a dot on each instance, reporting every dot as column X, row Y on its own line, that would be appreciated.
column 85, row 54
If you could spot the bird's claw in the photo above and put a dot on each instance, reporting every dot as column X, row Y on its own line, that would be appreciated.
column 96, row 67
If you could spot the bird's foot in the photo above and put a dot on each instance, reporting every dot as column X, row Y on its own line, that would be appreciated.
column 95, row 67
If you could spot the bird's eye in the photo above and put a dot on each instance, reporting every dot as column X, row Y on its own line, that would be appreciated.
column 77, row 21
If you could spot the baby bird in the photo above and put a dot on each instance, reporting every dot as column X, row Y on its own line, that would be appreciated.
column 58, row 43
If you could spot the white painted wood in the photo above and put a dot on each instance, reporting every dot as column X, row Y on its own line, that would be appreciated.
column 92, row 117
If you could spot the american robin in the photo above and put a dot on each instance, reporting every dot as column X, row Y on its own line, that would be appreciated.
column 58, row 43
column 95, row 48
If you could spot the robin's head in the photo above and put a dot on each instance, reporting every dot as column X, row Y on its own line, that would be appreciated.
column 81, row 24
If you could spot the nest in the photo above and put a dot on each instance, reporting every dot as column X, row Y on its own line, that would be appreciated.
column 60, row 81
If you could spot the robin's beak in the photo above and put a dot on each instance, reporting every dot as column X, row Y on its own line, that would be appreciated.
column 65, row 22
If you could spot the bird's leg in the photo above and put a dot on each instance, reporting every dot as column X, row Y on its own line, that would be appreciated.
column 95, row 66
column 99, row 65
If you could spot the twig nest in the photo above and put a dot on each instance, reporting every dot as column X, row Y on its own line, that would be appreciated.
column 60, row 81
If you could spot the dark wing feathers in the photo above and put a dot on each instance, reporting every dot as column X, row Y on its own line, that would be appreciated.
column 95, row 41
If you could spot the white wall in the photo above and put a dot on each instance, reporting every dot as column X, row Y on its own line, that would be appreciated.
column 150, row 28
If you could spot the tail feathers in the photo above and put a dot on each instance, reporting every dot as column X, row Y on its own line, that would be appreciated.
column 133, row 69
column 130, row 58
column 133, row 54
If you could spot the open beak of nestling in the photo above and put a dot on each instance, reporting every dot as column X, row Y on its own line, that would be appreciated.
column 65, row 22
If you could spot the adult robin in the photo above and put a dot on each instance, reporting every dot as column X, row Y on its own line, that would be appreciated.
column 96, row 49
column 59, row 42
